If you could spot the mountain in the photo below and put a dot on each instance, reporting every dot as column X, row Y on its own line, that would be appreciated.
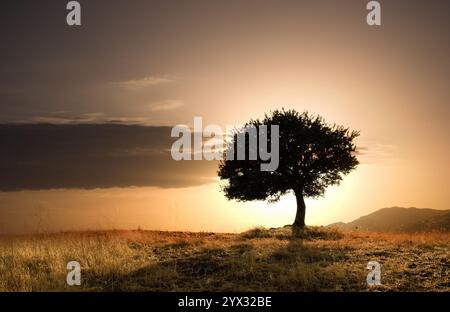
column 398, row 219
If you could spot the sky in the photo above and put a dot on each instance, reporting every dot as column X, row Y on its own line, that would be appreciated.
column 86, row 111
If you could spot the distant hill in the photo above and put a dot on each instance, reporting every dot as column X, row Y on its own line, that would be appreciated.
column 397, row 219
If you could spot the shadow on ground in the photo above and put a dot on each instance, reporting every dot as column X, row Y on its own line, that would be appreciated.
column 259, row 260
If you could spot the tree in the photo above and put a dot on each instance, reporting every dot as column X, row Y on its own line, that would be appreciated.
column 312, row 156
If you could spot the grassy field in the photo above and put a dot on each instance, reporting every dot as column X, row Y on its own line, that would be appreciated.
column 321, row 259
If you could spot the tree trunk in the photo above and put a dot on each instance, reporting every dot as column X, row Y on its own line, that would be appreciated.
column 301, row 207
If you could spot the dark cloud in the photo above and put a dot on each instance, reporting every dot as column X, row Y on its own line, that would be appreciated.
column 51, row 156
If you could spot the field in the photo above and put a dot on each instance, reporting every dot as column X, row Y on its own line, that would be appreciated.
column 320, row 259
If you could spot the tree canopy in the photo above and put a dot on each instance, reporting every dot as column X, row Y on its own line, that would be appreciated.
column 312, row 156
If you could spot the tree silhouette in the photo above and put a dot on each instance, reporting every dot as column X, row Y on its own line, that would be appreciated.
column 312, row 156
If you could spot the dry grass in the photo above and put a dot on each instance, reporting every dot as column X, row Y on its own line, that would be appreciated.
column 318, row 259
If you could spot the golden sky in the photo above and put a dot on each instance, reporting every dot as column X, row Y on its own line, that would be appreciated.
column 157, row 63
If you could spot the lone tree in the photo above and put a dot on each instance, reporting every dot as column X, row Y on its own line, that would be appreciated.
column 312, row 156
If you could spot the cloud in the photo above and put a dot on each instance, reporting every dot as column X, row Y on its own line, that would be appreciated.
column 372, row 153
column 88, row 156
column 63, row 118
column 165, row 105
column 138, row 84
column 66, row 118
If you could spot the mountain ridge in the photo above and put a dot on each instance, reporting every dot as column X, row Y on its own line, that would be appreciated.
column 400, row 219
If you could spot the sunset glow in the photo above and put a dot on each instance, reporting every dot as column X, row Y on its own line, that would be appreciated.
column 151, row 64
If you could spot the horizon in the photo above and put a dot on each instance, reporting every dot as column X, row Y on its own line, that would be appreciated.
column 44, row 231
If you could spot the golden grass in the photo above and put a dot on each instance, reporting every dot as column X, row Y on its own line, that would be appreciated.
column 317, row 259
